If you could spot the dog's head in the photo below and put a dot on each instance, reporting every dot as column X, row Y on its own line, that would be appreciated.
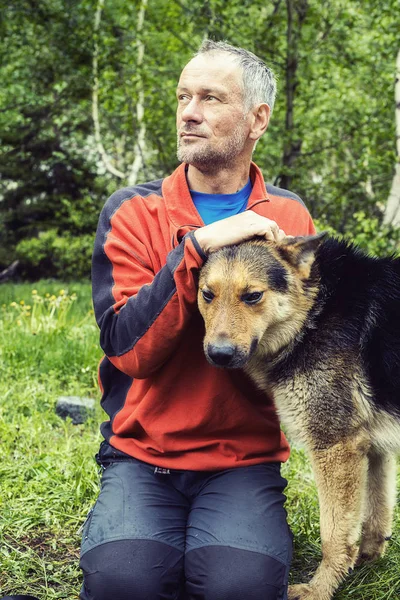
column 256, row 295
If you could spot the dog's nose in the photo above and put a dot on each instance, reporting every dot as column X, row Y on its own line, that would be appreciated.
column 221, row 355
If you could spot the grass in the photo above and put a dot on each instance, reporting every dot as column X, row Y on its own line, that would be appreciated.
column 48, row 476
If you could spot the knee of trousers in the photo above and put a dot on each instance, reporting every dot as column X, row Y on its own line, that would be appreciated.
column 132, row 570
column 224, row 573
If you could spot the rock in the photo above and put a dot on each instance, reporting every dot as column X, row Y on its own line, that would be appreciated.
column 77, row 408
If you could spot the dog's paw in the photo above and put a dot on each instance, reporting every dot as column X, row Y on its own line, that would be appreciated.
column 296, row 592
column 372, row 548
column 304, row 591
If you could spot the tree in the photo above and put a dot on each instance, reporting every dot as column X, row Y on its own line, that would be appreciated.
column 87, row 105
column 392, row 212
column 47, row 180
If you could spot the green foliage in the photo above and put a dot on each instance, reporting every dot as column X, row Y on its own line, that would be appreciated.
column 48, row 174
column 368, row 234
column 373, row 237
column 336, row 148
column 50, row 254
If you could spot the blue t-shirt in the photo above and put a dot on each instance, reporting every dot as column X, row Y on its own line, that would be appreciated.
column 214, row 207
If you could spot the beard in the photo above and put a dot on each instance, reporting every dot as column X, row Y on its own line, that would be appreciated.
column 205, row 157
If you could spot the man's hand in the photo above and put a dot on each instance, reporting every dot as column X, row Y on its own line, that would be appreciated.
column 237, row 229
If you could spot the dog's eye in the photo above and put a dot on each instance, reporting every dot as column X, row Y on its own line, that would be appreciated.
column 252, row 298
column 208, row 296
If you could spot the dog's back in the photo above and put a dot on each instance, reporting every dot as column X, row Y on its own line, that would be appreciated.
column 360, row 298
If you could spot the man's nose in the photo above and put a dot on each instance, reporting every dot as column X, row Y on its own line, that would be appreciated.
column 192, row 111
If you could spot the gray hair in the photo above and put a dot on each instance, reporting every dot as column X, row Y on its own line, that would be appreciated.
column 259, row 82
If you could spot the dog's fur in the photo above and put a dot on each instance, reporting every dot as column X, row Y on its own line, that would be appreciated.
column 324, row 339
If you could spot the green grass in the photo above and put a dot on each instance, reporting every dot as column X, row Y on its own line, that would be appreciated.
column 48, row 476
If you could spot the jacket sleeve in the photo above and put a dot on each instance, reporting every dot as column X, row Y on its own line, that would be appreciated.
column 311, row 227
column 141, row 312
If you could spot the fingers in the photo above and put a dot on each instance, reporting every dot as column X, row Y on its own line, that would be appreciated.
column 236, row 229
column 259, row 225
column 271, row 230
column 281, row 235
column 273, row 233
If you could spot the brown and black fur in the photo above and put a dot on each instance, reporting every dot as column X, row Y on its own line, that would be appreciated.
column 324, row 339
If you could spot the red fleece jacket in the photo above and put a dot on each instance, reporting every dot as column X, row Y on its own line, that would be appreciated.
column 167, row 405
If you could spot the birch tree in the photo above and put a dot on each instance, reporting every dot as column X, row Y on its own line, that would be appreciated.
column 392, row 212
column 139, row 146
column 296, row 14
column 140, row 142
column 106, row 159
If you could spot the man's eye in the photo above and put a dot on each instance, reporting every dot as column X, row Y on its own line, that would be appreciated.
column 211, row 98
column 208, row 296
column 252, row 298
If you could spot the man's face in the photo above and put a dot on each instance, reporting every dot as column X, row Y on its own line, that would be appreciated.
column 211, row 123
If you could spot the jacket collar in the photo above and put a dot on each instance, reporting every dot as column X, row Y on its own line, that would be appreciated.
column 179, row 204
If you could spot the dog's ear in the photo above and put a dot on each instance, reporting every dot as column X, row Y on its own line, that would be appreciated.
column 300, row 251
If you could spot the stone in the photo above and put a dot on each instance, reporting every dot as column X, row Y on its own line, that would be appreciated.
column 77, row 408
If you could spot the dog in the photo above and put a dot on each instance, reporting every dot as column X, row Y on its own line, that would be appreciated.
column 316, row 323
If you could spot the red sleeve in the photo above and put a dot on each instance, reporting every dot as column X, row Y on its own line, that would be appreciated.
column 141, row 313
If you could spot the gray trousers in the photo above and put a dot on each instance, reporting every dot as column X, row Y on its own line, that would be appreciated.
column 155, row 533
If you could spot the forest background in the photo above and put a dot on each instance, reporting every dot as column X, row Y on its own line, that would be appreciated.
column 87, row 105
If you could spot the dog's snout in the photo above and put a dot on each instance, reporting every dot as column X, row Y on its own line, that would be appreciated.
column 221, row 354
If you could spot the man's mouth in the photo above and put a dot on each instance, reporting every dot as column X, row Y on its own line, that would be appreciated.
column 190, row 134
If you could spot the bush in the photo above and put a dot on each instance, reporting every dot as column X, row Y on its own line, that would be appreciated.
column 54, row 255
column 367, row 233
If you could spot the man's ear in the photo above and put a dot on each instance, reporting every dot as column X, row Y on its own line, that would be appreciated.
column 300, row 252
column 260, row 120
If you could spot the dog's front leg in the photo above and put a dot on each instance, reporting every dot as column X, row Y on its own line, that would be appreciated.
column 340, row 473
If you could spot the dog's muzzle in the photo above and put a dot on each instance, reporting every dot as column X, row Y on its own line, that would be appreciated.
column 225, row 355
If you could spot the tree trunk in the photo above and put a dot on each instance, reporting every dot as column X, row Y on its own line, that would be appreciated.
column 139, row 146
column 392, row 211
column 139, row 149
column 292, row 146
column 9, row 272
column 95, row 97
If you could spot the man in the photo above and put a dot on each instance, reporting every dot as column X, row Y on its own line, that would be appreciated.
column 191, row 503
